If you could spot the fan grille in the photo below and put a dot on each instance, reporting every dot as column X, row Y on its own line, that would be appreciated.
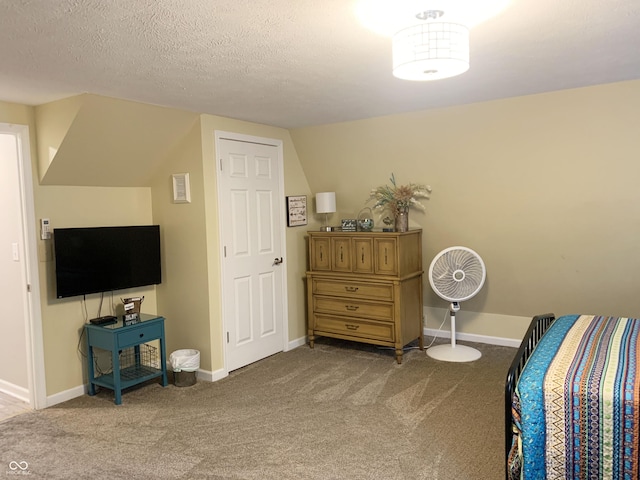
column 457, row 274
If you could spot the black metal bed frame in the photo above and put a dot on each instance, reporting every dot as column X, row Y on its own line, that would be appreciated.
column 539, row 325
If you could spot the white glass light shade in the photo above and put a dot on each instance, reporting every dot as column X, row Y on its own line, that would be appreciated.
column 326, row 202
column 431, row 51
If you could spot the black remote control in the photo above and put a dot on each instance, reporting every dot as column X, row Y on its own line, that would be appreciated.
column 106, row 320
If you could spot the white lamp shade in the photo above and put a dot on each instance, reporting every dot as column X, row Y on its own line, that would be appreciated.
column 431, row 51
column 326, row 202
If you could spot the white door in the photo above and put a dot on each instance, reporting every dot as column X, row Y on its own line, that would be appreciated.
column 251, row 208
column 21, row 354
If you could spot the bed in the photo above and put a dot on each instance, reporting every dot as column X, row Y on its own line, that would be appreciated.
column 572, row 407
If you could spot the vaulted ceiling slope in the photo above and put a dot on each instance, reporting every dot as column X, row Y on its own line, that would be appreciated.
column 91, row 140
column 296, row 63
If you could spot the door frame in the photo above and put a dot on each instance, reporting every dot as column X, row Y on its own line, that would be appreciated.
column 239, row 137
column 33, row 316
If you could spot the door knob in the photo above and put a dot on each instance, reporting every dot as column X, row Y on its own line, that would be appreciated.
column 277, row 261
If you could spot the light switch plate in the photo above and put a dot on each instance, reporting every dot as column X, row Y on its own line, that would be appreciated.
column 181, row 188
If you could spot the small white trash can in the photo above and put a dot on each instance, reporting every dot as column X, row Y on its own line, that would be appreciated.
column 185, row 364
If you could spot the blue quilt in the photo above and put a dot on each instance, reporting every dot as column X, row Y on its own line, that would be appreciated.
column 577, row 402
column 531, row 394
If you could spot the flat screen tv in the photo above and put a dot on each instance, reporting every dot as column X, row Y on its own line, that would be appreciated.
column 103, row 259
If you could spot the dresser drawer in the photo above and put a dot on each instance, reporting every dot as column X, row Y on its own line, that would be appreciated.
column 352, row 327
column 139, row 335
column 352, row 307
column 344, row 288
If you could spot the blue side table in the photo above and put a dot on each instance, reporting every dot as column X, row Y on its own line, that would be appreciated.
column 129, row 340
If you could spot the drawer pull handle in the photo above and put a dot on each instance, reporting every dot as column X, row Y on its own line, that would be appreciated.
column 351, row 327
column 351, row 289
column 352, row 308
column 141, row 335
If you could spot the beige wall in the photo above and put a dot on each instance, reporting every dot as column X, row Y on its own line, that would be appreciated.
column 19, row 115
column 90, row 140
column 183, row 294
column 63, row 319
column 189, row 296
column 543, row 187
column 53, row 121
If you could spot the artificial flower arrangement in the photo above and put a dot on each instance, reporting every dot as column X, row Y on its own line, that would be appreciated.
column 399, row 199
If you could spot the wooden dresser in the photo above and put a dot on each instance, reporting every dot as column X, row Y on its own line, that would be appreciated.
column 366, row 287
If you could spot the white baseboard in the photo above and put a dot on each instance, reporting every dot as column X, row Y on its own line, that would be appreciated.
column 15, row 391
column 204, row 375
column 219, row 374
column 78, row 391
column 298, row 342
column 207, row 376
column 60, row 397
column 429, row 332
column 472, row 337
column 480, row 327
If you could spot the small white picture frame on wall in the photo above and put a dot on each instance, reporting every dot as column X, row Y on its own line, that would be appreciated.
column 181, row 188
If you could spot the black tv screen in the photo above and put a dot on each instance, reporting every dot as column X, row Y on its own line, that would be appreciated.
column 103, row 259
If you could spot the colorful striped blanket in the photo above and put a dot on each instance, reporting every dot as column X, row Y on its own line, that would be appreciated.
column 577, row 405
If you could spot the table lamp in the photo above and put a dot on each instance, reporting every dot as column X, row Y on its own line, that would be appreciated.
column 325, row 203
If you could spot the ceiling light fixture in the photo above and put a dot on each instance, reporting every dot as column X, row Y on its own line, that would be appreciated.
column 386, row 17
column 431, row 49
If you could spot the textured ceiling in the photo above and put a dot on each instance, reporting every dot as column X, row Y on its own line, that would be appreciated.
column 294, row 63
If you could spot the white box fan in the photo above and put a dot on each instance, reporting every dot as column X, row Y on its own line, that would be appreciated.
column 456, row 274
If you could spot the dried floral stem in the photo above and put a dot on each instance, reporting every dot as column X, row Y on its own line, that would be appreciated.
column 399, row 198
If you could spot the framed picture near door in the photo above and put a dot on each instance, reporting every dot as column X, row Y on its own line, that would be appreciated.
column 296, row 210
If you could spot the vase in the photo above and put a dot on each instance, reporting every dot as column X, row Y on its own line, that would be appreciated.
column 402, row 221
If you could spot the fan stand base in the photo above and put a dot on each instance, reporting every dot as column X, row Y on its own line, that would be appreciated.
column 458, row 353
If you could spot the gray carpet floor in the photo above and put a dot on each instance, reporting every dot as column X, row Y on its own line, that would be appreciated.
column 339, row 411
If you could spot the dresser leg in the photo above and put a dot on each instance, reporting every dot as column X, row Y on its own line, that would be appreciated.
column 399, row 353
column 311, row 340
